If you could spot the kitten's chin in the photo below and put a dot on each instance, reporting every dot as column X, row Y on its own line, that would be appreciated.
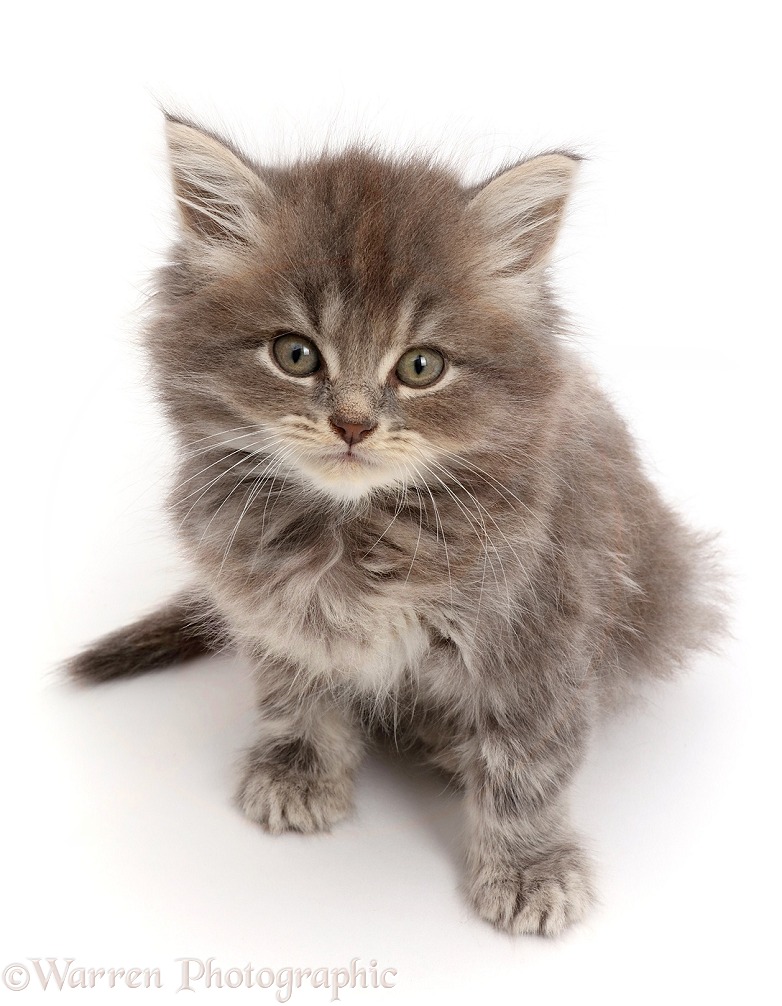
column 347, row 478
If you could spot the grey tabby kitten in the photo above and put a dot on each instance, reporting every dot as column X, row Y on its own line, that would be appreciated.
column 407, row 503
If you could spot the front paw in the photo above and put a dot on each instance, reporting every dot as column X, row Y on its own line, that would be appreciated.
column 543, row 896
column 281, row 799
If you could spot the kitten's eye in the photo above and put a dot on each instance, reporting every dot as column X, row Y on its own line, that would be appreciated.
column 296, row 355
column 419, row 368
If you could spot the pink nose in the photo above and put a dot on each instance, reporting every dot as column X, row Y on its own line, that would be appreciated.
column 351, row 433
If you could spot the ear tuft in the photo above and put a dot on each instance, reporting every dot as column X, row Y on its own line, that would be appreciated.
column 521, row 210
column 220, row 197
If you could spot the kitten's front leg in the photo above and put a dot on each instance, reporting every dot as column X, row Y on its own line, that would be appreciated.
column 299, row 776
column 527, row 871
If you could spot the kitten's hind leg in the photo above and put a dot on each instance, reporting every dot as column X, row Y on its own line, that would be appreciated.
column 300, row 774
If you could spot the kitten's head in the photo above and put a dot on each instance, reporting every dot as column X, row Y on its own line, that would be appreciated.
column 360, row 319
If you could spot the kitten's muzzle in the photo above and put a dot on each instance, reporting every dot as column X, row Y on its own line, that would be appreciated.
column 351, row 433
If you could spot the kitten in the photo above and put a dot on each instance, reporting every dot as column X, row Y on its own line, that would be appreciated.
column 407, row 503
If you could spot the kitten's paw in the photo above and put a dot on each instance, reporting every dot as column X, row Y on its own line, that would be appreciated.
column 294, row 801
column 542, row 897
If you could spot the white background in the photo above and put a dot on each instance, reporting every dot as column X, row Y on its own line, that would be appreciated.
column 120, row 845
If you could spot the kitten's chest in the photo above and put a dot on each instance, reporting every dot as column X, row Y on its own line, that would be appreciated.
column 337, row 609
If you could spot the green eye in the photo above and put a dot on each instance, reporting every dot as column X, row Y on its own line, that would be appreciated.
column 419, row 368
column 296, row 355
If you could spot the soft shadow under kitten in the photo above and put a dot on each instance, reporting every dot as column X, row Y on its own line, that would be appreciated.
column 406, row 501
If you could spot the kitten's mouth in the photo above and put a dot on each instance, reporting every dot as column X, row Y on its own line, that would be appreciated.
column 350, row 458
column 346, row 474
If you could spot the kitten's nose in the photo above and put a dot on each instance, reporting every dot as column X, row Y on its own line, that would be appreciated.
column 351, row 433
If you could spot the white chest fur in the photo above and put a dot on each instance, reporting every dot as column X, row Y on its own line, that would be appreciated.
column 340, row 628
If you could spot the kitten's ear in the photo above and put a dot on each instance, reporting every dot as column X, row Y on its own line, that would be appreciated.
column 220, row 197
column 521, row 210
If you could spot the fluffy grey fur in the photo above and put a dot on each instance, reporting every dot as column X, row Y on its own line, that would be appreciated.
column 474, row 567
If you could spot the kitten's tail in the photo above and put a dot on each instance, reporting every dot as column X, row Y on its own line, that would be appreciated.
column 183, row 628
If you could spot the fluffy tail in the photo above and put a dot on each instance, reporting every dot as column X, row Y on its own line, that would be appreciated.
column 185, row 627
